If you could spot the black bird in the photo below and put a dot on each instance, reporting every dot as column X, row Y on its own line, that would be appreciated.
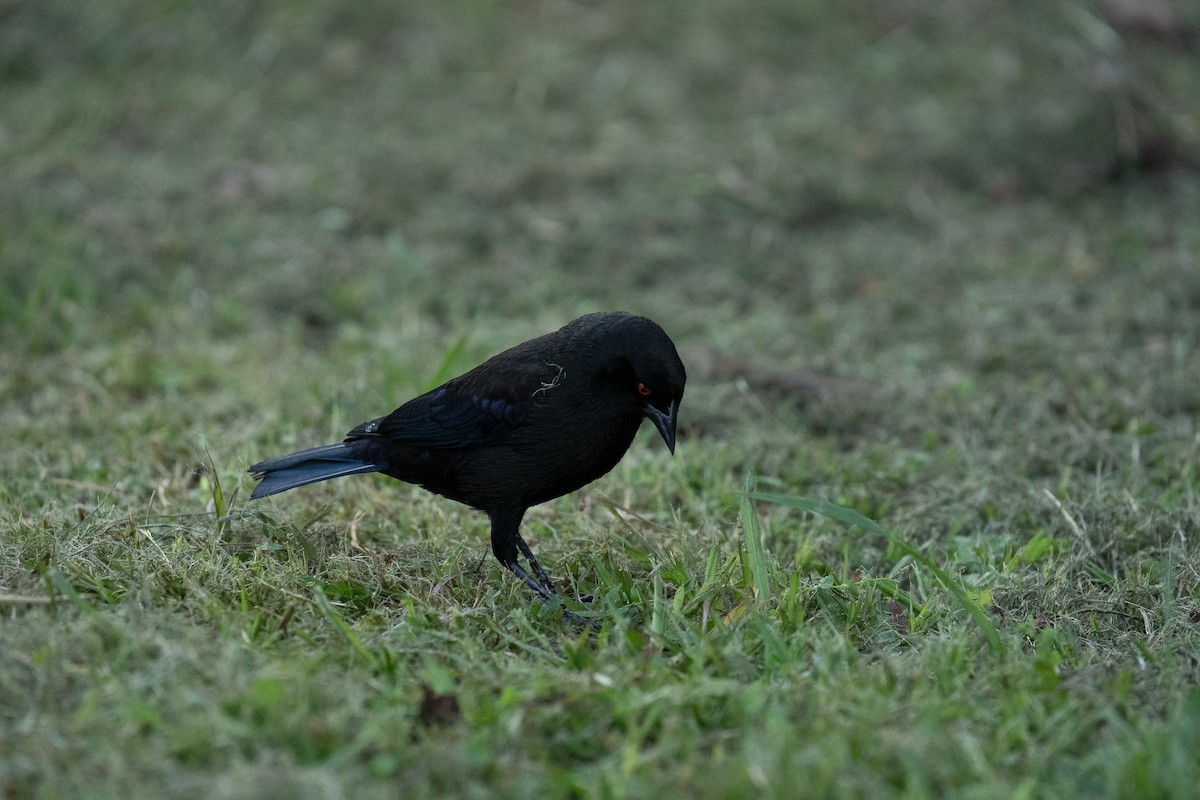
column 533, row 423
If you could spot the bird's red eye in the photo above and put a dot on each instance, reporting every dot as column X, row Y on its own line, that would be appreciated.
column 643, row 390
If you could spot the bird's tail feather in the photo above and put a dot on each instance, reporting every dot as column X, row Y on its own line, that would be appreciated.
column 309, row 466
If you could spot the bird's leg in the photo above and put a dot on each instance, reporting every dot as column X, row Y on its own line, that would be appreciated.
column 507, row 541
column 533, row 563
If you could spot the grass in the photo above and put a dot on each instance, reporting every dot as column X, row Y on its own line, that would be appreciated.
column 935, row 274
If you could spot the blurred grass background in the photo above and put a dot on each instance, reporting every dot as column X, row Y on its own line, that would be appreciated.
column 938, row 262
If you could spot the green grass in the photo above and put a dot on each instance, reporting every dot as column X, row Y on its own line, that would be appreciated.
column 932, row 526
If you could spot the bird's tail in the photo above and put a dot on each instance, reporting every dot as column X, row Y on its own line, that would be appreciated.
column 309, row 466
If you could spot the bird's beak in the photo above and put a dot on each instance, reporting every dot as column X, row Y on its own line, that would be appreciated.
column 664, row 421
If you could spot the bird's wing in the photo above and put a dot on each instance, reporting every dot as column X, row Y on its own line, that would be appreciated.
column 482, row 407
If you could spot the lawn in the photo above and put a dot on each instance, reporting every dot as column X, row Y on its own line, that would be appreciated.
column 932, row 527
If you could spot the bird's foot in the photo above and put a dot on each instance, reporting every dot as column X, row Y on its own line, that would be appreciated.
column 546, row 589
column 543, row 587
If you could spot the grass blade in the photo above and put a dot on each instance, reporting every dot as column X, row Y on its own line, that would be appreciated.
column 446, row 367
column 756, row 554
column 60, row 583
column 658, row 613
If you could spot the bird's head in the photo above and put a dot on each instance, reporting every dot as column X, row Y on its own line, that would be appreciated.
column 646, row 371
column 659, row 387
